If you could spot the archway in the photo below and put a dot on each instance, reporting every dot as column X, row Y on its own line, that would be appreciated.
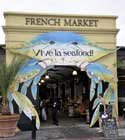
column 64, row 48
column 71, row 90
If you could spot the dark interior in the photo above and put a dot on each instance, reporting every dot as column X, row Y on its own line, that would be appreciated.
column 62, row 84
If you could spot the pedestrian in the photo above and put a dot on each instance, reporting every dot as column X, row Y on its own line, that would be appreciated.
column 55, row 109
column 102, row 110
column 43, row 113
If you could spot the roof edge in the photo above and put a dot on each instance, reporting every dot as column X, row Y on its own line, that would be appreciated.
column 54, row 14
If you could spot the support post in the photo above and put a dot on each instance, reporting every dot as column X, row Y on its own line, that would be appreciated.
column 33, row 127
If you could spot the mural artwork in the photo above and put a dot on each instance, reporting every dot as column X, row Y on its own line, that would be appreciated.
column 60, row 48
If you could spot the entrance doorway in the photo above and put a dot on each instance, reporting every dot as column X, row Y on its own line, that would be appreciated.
column 70, row 86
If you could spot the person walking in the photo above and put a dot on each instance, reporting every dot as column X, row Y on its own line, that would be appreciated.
column 55, row 109
column 102, row 110
column 43, row 114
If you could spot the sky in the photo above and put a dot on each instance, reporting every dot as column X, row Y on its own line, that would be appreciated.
column 80, row 7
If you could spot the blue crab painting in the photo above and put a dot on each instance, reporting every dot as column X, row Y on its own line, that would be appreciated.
column 72, row 49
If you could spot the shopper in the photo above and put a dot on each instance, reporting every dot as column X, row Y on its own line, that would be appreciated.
column 102, row 110
column 43, row 113
column 55, row 109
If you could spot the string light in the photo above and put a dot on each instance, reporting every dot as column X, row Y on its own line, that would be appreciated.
column 42, row 81
column 47, row 77
column 39, row 83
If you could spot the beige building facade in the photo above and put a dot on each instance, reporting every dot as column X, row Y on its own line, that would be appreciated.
column 99, row 30
column 22, row 27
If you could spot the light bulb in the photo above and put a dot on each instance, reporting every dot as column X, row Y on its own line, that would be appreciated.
column 47, row 77
column 39, row 83
column 42, row 81
column 74, row 72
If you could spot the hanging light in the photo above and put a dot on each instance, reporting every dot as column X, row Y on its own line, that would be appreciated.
column 47, row 77
column 74, row 72
column 42, row 81
column 39, row 83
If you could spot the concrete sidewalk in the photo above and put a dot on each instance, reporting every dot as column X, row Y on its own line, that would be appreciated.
column 67, row 130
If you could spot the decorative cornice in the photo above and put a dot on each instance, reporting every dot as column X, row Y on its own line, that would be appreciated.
column 58, row 15
column 47, row 29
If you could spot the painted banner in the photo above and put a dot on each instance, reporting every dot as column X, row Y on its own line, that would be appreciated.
column 62, row 48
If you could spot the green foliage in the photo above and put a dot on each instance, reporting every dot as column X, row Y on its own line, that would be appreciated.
column 8, row 73
column 120, row 64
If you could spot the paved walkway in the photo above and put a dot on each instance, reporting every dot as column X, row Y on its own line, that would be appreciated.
column 71, row 129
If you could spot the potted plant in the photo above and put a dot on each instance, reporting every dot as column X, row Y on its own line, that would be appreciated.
column 8, row 120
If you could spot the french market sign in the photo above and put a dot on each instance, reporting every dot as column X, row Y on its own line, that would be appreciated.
column 66, row 22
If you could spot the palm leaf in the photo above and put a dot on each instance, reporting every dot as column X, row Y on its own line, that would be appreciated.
column 8, row 74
